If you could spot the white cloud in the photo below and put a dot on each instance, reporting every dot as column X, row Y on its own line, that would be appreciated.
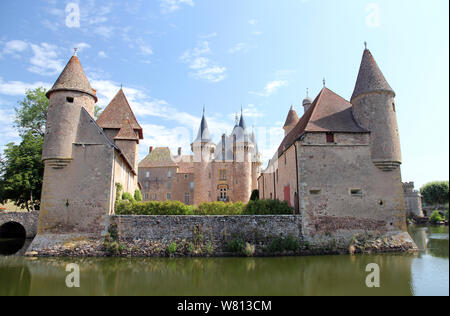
column 253, row 22
column 82, row 46
column 45, row 60
column 15, row 47
column 271, row 88
column 203, row 67
column 240, row 47
column 102, row 54
column 18, row 88
column 169, row 6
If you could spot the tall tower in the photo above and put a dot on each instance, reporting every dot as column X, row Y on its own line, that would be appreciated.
column 70, row 93
column 244, row 149
column 203, row 149
column 291, row 121
column 373, row 103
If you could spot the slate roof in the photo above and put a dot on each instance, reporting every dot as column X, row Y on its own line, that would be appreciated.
column 328, row 113
column 203, row 132
column 73, row 78
column 370, row 77
column 117, row 111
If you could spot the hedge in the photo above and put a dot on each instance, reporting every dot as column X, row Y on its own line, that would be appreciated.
column 260, row 207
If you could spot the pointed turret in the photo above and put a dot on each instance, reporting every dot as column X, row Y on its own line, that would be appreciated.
column 73, row 78
column 291, row 121
column 242, row 120
column 370, row 78
column 203, row 135
column 374, row 109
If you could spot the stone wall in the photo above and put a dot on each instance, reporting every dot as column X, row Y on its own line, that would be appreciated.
column 218, row 230
column 28, row 220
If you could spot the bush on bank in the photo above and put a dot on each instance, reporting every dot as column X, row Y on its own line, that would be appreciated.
column 259, row 207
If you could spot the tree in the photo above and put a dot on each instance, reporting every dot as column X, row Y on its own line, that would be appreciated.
column 97, row 111
column 31, row 115
column 435, row 192
column 21, row 170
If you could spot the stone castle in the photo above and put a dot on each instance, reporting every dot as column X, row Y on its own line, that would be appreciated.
column 226, row 172
column 84, row 159
column 339, row 164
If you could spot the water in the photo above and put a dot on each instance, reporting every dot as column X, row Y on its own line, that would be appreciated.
column 426, row 273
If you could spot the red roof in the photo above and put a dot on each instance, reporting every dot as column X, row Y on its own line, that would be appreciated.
column 127, row 132
column 328, row 113
column 117, row 112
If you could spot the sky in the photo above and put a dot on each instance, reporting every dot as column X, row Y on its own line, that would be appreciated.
column 174, row 57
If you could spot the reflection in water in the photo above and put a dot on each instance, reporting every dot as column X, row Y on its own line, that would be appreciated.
column 328, row 275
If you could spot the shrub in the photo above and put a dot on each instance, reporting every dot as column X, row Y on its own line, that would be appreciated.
column 236, row 245
column 436, row 217
column 128, row 197
column 435, row 192
column 220, row 208
column 138, row 196
column 255, row 195
column 249, row 250
column 119, row 189
column 172, row 248
column 281, row 244
column 268, row 207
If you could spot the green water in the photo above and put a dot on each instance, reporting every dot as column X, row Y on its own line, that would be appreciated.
column 424, row 274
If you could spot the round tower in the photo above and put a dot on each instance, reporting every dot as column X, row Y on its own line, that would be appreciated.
column 203, row 149
column 374, row 109
column 69, row 94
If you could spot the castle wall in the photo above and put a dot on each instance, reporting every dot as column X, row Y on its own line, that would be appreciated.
column 413, row 200
column 343, row 193
column 285, row 177
column 228, row 182
column 243, row 174
column 130, row 149
column 124, row 175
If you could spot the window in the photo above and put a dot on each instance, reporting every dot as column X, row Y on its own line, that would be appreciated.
column 147, row 185
column 223, row 194
column 187, row 198
column 356, row 192
column 146, row 196
column 169, row 185
column 315, row 192
column 169, row 174
column 393, row 107
column 70, row 99
column 223, row 174
column 169, row 196
column 154, row 197
column 147, row 174
column 330, row 137
column 185, row 176
column 192, row 186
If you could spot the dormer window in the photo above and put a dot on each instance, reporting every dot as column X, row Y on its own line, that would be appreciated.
column 330, row 137
column 70, row 99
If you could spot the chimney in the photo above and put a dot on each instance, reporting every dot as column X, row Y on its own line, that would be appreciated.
column 179, row 151
column 151, row 149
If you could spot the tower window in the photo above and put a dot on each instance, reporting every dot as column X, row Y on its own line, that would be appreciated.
column 330, row 137
column 70, row 99
column 356, row 192
column 393, row 107
column 223, row 174
column 187, row 198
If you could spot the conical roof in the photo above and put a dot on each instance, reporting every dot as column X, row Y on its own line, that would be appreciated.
column 117, row 111
column 292, row 118
column 242, row 121
column 203, row 132
column 370, row 77
column 73, row 78
column 127, row 132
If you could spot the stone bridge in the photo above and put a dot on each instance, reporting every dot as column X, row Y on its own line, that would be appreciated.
column 18, row 224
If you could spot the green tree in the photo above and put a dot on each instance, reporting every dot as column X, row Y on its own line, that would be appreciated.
column 21, row 169
column 138, row 196
column 435, row 192
column 97, row 111
column 31, row 115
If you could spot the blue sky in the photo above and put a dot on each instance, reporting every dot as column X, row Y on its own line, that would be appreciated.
column 175, row 56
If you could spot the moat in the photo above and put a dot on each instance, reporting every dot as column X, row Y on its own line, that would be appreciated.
column 426, row 273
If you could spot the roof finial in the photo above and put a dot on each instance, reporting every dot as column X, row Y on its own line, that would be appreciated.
column 236, row 118
column 75, row 51
column 204, row 110
column 307, row 92
column 365, row 45
column 324, row 83
column 121, row 86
